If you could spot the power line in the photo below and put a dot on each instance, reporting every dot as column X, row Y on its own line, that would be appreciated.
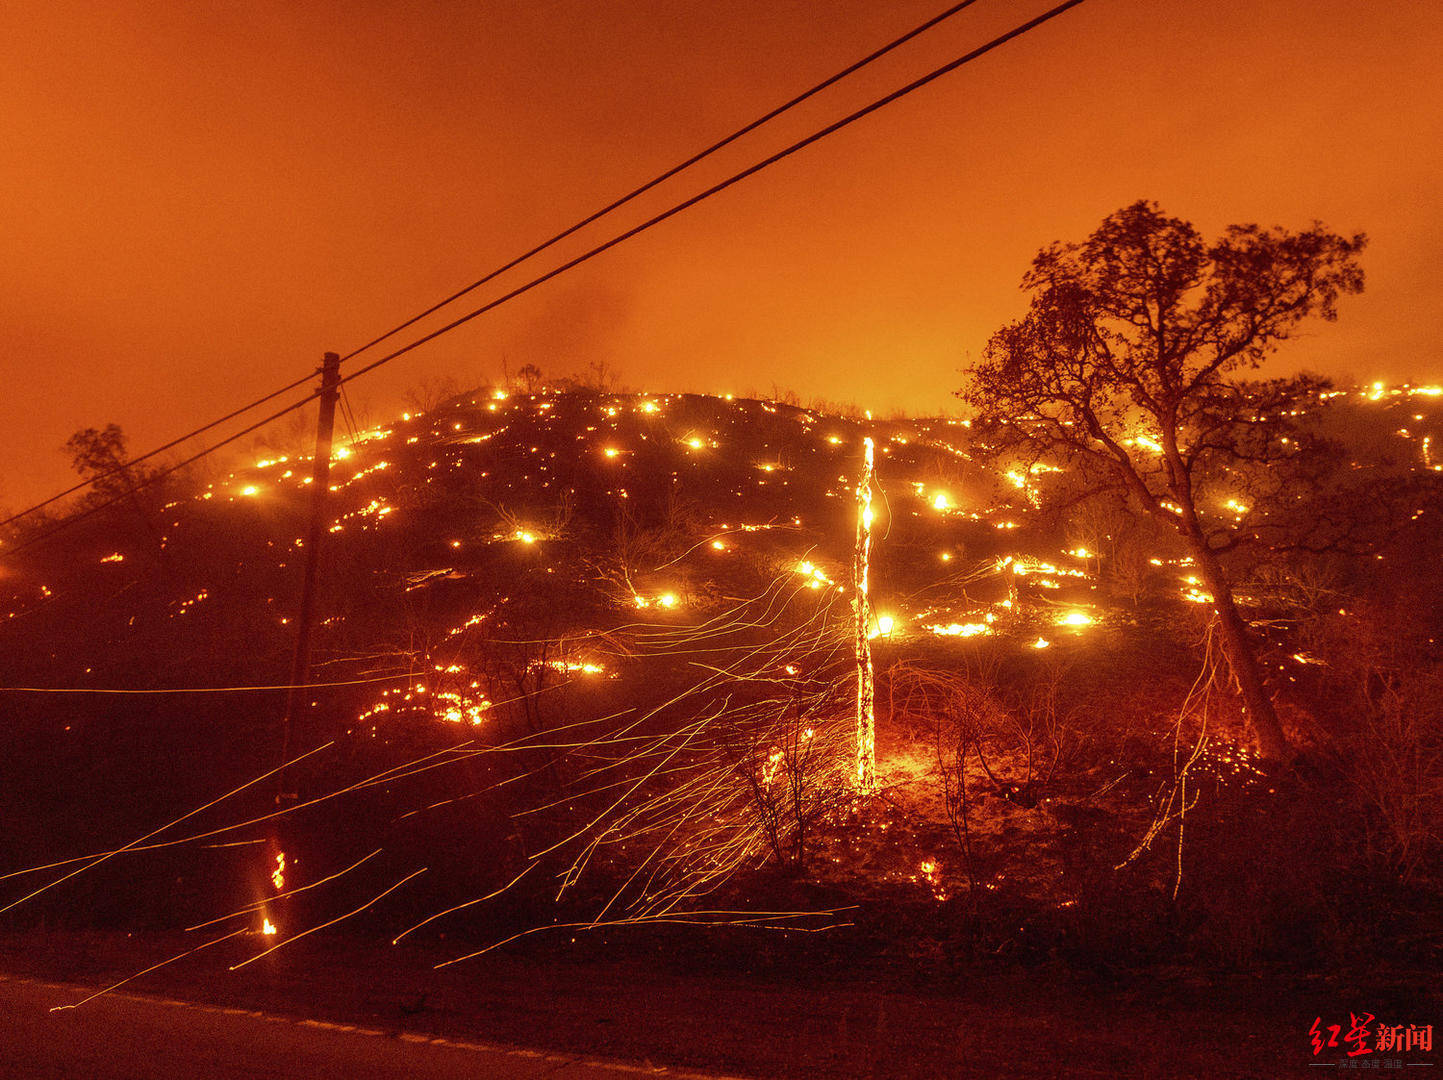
column 204, row 689
column 543, row 246
column 161, row 474
column 349, row 415
column 591, row 253
column 158, row 450
column 735, row 178
column 630, row 196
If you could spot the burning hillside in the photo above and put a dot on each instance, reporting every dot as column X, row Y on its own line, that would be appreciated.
column 606, row 646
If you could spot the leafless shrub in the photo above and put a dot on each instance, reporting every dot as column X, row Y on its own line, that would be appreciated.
column 1034, row 732
column 1018, row 751
column 551, row 524
column 600, row 377
column 529, row 378
column 1120, row 540
column 638, row 548
column 1302, row 587
column 789, row 773
column 430, row 392
column 1387, row 737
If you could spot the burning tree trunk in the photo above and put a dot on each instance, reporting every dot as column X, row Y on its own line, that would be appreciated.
column 862, row 609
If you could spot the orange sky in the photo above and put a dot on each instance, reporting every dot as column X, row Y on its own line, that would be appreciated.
column 199, row 199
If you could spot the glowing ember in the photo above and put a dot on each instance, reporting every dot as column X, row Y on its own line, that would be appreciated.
column 1076, row 618
column 931, row 874
column 815, row 573
column 1147, row 442
column 961, row 629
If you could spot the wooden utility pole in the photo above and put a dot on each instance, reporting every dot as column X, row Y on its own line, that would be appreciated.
column 320, row 488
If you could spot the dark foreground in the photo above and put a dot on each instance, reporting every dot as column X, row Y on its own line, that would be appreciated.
column 127, row 1037
column 418, row 1022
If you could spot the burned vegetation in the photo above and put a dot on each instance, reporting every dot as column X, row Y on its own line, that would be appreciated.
column 586, row 674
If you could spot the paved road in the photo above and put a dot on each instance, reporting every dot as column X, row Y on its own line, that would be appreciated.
column 129, row 1037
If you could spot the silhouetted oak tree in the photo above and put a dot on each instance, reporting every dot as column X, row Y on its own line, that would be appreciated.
column 98, row 455
column 1131, row 363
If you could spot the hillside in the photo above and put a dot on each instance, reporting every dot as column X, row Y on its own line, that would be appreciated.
column 609, row 636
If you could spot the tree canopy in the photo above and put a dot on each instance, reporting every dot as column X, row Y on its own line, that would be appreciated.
column 1134, row 361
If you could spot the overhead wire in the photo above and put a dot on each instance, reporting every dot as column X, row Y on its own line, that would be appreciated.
column 661, row 178
column 598, row 249
column 349, row 415
column 398, row 677
column 159, row 474
column 723, row 185
column 555, row 239
column 124, row 466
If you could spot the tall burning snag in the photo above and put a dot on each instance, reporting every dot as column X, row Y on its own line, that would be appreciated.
column 1127, row 366
column 862, row 609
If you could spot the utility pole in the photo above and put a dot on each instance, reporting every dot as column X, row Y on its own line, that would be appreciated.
column 320, row 488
